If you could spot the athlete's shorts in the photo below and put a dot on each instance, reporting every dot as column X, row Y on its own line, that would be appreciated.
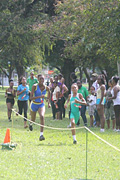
column 35, row 107
column 75, row 116
column 12, row 101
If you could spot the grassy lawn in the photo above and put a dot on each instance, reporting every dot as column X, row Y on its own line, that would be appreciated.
column 56, row 158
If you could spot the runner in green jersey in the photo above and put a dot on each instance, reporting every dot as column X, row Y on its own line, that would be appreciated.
column 75, row 100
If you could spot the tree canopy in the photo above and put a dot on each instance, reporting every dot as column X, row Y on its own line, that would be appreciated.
column 66, row 34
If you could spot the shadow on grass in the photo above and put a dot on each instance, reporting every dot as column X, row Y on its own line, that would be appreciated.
column 58, row 144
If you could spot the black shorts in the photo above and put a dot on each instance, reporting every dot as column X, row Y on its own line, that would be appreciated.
column 12, row 101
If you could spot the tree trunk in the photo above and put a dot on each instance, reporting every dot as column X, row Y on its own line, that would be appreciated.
column 88, row 77
column 20, row 71
column 67, row 68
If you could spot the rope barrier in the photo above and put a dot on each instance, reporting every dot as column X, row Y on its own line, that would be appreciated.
column 102, row 139
column 61, row 129
column 69, row 129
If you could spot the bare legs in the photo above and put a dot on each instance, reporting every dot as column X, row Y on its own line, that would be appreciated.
column 91, row 121
column 41, row 112
column 100, row 109
column 9, row 111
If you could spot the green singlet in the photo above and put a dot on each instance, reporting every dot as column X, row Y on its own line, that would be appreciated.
column 75, row 113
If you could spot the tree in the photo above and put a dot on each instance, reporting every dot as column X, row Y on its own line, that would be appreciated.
column 80, row 24
column 20, row 43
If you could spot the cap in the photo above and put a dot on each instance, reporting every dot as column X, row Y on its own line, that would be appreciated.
column 95, row 74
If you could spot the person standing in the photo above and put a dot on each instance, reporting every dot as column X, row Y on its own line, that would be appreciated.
column 83, row 90
column 96, row 86
column 109, row 109
column 23, row 97
column 76, row 100
column 94, row 80
column 116, row 101
column 51, row 87
column 10, row 94
column 37, row 96
column 101, row 101
column 56, row 100
column 64, row 90
column 92, row 104
column 31, row 81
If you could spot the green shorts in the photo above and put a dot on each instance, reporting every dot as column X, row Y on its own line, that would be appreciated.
column 75, row 116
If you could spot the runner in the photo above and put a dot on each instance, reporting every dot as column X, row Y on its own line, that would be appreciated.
column 23, row 96
column 75, row 100
column 10, row 94
column 37, row 96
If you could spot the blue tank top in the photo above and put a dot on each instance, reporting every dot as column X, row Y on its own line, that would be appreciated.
column 38, row 92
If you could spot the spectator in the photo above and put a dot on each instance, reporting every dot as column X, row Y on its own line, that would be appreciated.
column 30, row 81
column 83, row 90
column 64, row 89
column 109, row 109
column 56, row 100
column 95, row 83
column 51, row 86
column 116, row 101
column 101, row 101
column 96, row 86
column 92, row 104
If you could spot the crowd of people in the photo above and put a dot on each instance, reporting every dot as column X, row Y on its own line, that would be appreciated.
column 102, row 102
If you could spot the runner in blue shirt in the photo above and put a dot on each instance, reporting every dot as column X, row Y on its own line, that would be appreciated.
column 23, row 96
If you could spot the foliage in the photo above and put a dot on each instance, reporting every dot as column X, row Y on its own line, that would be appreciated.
column 20, row 42
column 90, row 31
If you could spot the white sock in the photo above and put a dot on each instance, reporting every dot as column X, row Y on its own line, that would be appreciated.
column 102, row 130
column 41, row 133
column 74, row 137
column 31, row 123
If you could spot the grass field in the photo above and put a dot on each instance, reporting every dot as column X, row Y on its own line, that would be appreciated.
column 56, row 158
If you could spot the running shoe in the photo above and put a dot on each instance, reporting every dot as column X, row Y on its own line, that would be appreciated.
column 74, row 142
column 41, row 138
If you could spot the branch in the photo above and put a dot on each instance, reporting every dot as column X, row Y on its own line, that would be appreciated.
column 58, row 68
column 3, row 70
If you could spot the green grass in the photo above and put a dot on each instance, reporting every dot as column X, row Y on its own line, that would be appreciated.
column 56, row 158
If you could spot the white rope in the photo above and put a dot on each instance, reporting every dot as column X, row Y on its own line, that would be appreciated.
column 61, row 129
column 102, row 139
column 69, row 129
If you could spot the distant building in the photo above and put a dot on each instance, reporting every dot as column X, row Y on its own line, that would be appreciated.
column 4, row 80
